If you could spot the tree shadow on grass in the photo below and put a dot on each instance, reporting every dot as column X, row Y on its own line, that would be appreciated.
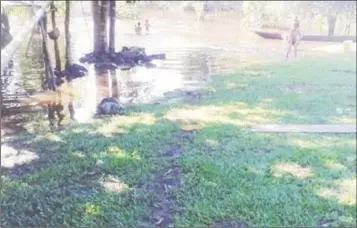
column 81, row 177
column 90, row 174
column 266, row 180
column 259, row 179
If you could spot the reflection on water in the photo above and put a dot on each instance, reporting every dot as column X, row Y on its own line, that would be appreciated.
column 23, row 77
column 194, row 53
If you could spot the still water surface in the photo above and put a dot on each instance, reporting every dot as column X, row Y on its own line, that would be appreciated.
column 195, row 52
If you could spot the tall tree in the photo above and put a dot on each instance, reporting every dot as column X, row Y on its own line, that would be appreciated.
column 67, row 22
column 100, row 18
column 112, row 18
column 69, row 57
column 55, row 41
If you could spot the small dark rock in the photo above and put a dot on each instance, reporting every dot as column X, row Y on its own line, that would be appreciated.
column 72, row 71
column 110, row 106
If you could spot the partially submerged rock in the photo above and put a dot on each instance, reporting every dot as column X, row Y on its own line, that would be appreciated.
column 125, row 59
column 110, row 106
column 72, row 71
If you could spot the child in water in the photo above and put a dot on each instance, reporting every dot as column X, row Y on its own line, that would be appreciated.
column 147, row 26
column 138, row 29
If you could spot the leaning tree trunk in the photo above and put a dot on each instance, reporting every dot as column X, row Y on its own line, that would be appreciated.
column 49, row 85
column 55, row 41
column 331, row 24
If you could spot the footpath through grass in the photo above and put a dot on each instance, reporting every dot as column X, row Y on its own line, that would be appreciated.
column 194, row 162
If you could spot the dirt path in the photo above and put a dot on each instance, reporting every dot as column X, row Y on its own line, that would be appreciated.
column 323, row 128
column 166, row 183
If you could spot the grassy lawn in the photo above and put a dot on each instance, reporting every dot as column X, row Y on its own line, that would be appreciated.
column 195, row 162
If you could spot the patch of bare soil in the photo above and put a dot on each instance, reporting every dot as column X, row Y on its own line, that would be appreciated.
column 167, row 181
column 192, row 97
column 344, row 71
column 230, row 224
column 301, row 88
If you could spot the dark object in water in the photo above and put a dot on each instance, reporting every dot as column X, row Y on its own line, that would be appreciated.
column 54, row 34
column 105, row 65
column 52, row 83
column 278, row 36
column 127, row 58
column 72, row 72
column 110, row 106
column 150, row 65
column 158, row 56
column 59, row 81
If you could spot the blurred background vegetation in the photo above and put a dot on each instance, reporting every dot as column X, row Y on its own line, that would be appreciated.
column 315, row 16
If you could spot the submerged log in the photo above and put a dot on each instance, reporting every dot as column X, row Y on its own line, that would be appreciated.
column 318, row 38
column 71, row 72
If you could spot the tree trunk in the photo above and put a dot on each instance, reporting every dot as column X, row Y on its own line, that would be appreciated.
column 55, row 42
column 103, row 37
column 103, row 87
column 200, row 10
column 331, row 25
column 112, row 17
column 47, row 61
column 96, row 28
column 348, row 23
column 49, row 85
column 69, row 58
column 100, row 18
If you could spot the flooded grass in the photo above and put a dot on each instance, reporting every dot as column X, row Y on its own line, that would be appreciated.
column 196, row 163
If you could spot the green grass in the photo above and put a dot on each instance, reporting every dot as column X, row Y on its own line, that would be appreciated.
column 229, row 175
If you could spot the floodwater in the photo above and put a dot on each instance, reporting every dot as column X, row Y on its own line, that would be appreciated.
column 195, row 52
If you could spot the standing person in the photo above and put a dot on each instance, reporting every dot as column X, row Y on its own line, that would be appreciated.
column 138, row 29
column 294, row 37
column 147, row 26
